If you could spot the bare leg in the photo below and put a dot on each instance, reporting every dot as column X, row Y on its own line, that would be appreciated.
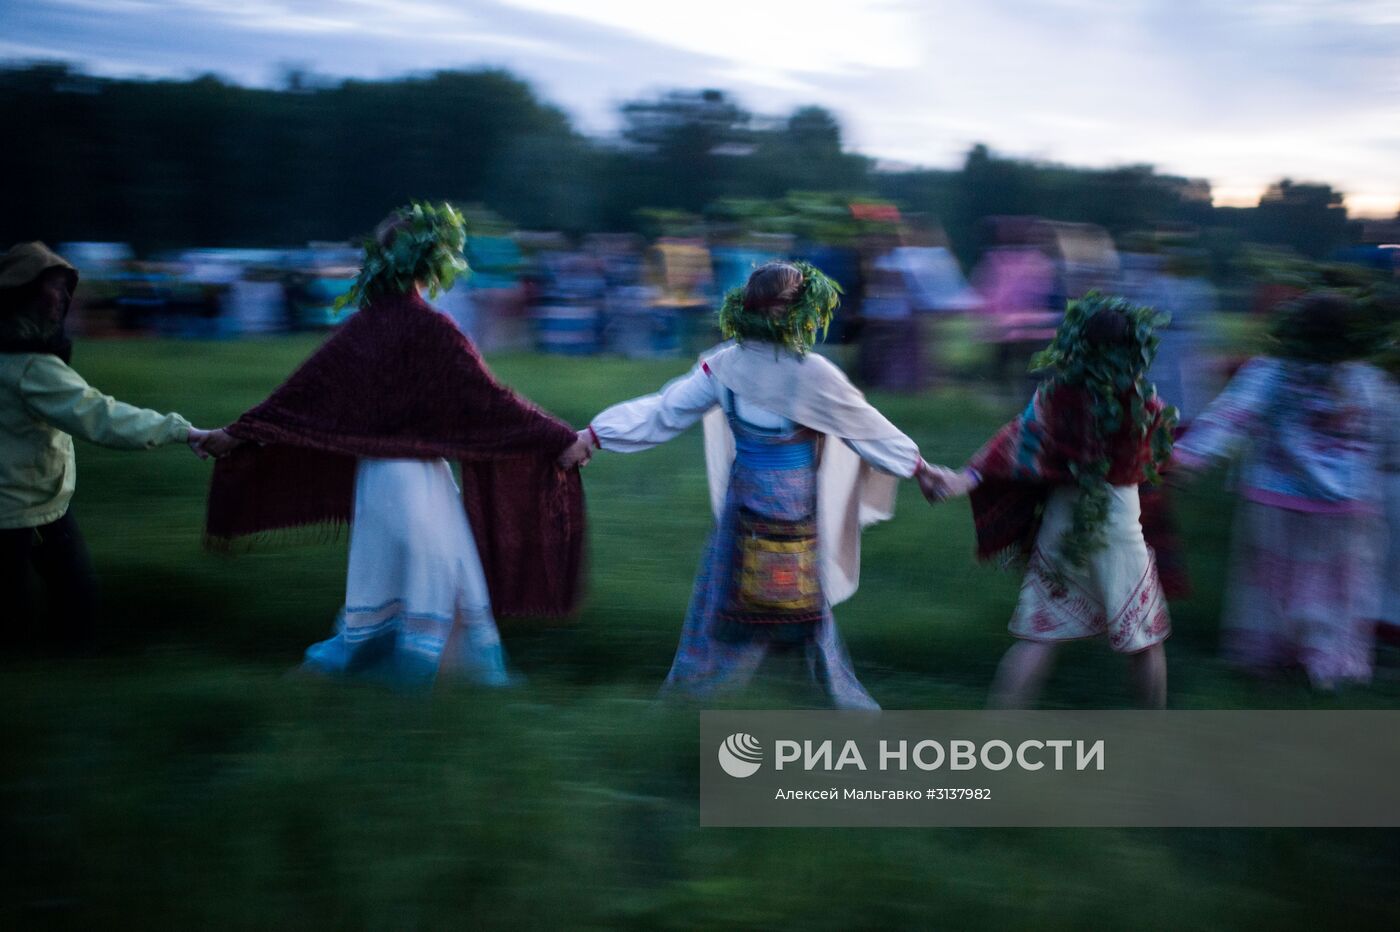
column 1148, row 670
column 1021, row 675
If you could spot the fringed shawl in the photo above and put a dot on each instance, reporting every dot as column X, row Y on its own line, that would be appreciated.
column 400, row 381
column 1041, row 449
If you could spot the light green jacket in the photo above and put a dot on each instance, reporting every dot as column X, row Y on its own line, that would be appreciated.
column 43, row 405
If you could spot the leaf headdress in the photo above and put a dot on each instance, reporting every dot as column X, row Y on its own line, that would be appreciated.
column 798, row 327
column 1361, row 326
column 1111, row 374
column 426, row 249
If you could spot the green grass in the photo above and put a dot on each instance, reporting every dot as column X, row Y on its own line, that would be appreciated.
column 180, row 780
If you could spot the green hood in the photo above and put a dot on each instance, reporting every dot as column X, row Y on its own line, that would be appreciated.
column 20, row 328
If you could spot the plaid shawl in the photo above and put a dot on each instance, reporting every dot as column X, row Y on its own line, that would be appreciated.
column 1039, row 450
column 400, row 381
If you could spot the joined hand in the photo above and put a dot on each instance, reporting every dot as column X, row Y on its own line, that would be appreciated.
column 577, row 453
column 216, row 443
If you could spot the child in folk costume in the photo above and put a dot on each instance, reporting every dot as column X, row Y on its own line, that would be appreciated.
column 362, row 433
column 44, row 404
column 1060, row 484
column 798, row 463
column 1320, row 427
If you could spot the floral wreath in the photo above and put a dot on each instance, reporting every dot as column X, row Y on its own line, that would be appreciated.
column 427, row 251
column 806, row 320
column 1108, row 373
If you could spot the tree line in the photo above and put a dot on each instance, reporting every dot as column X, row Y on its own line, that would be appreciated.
column 166, row 163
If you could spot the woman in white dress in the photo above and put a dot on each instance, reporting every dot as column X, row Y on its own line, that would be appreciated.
column 362, row 433
column 416, row 600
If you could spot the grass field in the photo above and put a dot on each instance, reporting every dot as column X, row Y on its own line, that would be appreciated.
column 180, row 780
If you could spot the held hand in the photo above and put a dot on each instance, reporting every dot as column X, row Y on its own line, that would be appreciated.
column 219, row 443
column 959, row 482
column 196, row 439
column 577, row 453
column 930, row 483
column 939, row 483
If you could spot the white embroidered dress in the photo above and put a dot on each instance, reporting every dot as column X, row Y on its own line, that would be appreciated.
column 416, row 600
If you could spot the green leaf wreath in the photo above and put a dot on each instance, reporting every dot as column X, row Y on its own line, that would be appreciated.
column 427, row 252
column 1109, row 373
column 806, row 320
column 1368, row 327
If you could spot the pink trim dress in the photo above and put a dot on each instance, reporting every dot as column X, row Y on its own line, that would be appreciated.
column 1305, row 574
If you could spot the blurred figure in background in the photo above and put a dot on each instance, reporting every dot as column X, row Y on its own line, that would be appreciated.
column 1388, row 623
column 932, row 276
column 842, row 262
column 255, row 303
column 364, row 428
column 679, row 269
column 626, row 311
column 934, row 287
column 1318, row 425
column 1172, row 282
column 497, row 297
column 145, row 295
column 736, row 254
column 1021, row 294
column 567, row 302
column 1085, row 257
column 779, row 483
column 44, row 404
column 1060, row 485
column 891, row 342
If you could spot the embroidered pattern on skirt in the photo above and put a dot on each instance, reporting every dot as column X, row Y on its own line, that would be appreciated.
column 416, row 600
column 1118, row 594
column 1304, row 590
column 777, row 587
column 706, row 665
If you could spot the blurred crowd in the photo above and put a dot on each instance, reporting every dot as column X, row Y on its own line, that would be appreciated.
column 624, row 295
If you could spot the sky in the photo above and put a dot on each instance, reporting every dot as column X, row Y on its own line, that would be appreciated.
column 1241, row 92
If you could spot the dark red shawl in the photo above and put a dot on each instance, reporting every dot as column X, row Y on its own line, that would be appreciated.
column 1034, row 453
column 400, row 381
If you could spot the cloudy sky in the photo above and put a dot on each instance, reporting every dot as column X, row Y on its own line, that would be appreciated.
column 1238, row 91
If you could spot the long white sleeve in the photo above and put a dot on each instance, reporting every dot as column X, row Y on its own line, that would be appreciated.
column 644, row 422
column 1227, row 421
column 898, row 456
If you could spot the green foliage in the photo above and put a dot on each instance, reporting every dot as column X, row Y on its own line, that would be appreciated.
column 426, row 252
column 1111, row 374
column 1292, row 336
column 667, row 221
column 1281, row 266
column 804, row 322
column 1383, row 305
column 813, row 216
